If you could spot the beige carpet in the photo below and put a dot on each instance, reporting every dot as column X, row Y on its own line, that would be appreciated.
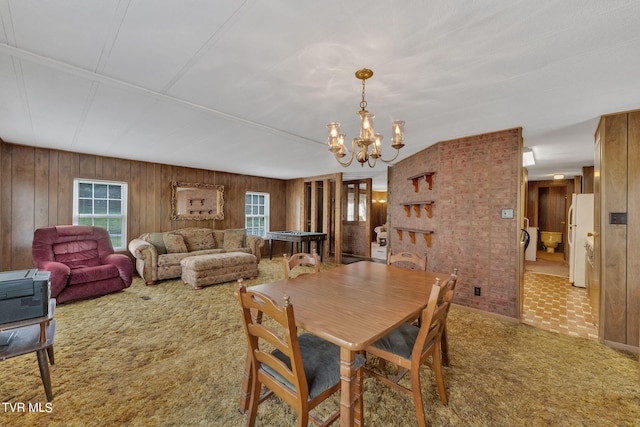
column 172, row 356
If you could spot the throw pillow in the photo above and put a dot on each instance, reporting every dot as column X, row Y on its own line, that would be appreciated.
column 174, row 243
column 234, row 239
column 157, row 240
column 198, row 240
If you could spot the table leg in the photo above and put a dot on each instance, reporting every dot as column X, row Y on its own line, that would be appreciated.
column 270, row 248
column 348, row 388
column 43, row 363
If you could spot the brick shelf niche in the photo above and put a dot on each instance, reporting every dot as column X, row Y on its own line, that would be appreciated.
column 412, row 234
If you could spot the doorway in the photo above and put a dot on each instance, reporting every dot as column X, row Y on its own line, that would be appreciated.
column 552, row 216
column 356, row 221
column 550, row 301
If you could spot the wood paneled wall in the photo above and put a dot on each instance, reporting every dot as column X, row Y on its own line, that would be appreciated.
column 37, row 191
column 618, row 245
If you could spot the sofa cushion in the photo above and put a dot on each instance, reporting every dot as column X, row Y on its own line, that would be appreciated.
column 174, row 243
column 234, row 238
column 92, row 274
column 198, row 240
column 174, row 259
column 157, row 240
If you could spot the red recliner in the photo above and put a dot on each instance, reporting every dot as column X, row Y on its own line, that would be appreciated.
column 81, row 261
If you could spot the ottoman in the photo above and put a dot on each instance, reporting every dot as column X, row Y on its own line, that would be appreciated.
column 203, row 270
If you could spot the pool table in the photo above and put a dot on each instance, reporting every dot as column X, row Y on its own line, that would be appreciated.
column 297, row 237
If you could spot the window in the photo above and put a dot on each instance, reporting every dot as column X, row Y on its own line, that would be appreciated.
column 256, row 211
column 102, row 204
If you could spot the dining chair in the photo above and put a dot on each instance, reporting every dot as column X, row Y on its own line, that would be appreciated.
column 303, row 370
column 409, row 346
column 407, row 259
column 301, row 259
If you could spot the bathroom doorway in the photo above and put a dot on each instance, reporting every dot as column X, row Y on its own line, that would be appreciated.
column 547, row 210
column 552, row 217
column 550, row 302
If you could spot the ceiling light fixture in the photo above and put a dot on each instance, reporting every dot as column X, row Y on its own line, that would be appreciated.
column 558, row 176
column 369, row 143
column 527, row 157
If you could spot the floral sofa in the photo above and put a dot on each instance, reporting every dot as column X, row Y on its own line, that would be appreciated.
column 158, row 255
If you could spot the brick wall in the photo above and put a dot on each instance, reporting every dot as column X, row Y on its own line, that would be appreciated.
column 475, row 178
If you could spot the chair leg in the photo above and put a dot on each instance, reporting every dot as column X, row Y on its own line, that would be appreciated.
column 43, row 363
column 437, row 370
column 445, row 348
column 50, row 354
column 417, row 396
column 303, row 419
column 359, row 398
column 254, row 400
column 245, row 394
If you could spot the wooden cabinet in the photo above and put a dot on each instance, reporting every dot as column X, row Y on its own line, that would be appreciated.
column 617, row 227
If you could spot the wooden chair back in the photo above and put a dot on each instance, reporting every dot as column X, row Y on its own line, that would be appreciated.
column 427, row 343
column 301, row 259
column 271, row 329
column 408, row 259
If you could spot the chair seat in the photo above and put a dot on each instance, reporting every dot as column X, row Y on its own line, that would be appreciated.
column 321, row 361
column 400, row 341
column 93, row 274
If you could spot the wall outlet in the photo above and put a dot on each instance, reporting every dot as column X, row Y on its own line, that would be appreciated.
column 476, row 291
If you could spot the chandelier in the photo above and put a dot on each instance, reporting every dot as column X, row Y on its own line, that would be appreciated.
column 369, row 145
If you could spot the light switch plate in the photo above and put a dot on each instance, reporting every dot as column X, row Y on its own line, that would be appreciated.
column 507, row 213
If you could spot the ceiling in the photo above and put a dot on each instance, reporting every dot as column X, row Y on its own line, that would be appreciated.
column 248, row 86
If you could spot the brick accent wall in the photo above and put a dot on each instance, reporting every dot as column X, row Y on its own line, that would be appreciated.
column 475, row 178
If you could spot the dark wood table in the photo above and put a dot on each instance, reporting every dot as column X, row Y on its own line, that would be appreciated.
column 32, row 336
column 352, row 306
column 297, row 237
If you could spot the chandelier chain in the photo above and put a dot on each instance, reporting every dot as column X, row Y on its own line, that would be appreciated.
column 363, row 104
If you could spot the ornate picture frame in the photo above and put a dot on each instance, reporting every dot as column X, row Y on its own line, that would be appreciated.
column 196, row 201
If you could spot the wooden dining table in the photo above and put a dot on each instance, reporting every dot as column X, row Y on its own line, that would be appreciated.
column 353, row 306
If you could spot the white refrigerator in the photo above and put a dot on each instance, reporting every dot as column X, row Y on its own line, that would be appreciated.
column 580, row 223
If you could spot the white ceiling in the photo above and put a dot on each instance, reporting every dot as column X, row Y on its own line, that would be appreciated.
column 249, row 86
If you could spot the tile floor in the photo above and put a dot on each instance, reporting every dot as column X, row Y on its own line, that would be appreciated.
column 378, row 252
column 552, row 303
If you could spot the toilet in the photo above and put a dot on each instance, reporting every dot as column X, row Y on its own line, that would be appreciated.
column 550, row 240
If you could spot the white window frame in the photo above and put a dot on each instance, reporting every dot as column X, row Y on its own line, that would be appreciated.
column 266, row 214
column 123, row 208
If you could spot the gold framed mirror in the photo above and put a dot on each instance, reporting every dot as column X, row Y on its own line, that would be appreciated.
column 195, row 201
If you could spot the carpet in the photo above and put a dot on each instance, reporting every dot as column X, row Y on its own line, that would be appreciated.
column 172, row 356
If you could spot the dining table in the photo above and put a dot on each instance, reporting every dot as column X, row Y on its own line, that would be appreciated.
column 352, row 306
